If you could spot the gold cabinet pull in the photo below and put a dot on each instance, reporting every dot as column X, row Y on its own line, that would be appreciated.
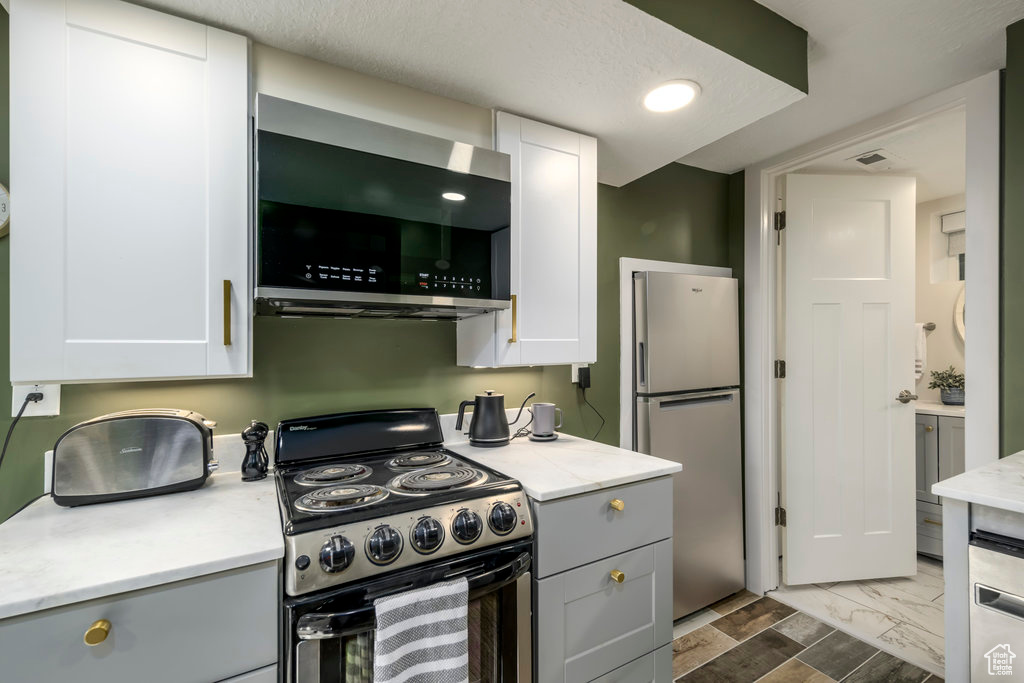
column 227, row 313
column 929, row 428
column 515, row 322
column 617, row 576
column 617, row 504
column 931, row 521
column 97, row 633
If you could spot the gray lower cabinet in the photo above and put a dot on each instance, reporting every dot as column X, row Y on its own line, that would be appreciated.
column 939, row 455
column 206, row 629
column 603, row 586
column 655, row 666
column 593, row 624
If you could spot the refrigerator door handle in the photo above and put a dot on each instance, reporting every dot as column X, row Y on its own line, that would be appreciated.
column 696, row 400
column 642, row 363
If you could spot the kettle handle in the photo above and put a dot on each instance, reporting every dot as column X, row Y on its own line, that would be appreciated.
column 462, row 413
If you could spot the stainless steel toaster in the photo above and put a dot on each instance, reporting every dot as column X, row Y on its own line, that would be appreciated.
column 132, row 454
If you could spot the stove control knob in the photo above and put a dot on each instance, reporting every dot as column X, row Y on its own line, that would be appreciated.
column 467, row 526
column 336, row 554
column 383, row 545
column 427, row 535
column 503, row 518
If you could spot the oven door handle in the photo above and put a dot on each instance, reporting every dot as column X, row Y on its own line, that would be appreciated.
column 324, row 625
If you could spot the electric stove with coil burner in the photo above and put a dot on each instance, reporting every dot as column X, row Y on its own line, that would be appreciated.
column 367, row 493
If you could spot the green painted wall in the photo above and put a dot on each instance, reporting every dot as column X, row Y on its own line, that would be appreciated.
column 677, row 213
column 311, row 366
column 744, row 29
column 1012, row 248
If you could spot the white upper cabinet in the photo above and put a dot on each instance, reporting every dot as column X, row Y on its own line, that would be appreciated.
column 553, row 319
column 130, row 161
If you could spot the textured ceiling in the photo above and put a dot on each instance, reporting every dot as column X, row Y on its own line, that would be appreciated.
column 582, row 64
column 933, row 150
column 867, row 57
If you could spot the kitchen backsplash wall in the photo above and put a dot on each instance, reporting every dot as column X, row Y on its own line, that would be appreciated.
column 310, row 366
column 677, row 213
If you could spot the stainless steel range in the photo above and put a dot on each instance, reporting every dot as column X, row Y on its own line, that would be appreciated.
column 372, row 505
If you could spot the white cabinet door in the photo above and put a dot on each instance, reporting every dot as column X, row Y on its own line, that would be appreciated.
column 130, row 161
column 553, row 319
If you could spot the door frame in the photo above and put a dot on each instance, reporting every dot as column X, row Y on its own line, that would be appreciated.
column 981, row 99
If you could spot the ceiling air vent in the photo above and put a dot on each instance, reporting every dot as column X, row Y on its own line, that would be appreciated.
column 874, row 160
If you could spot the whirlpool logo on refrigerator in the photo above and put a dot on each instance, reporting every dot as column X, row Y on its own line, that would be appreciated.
column 130, row 449
column 696, row 290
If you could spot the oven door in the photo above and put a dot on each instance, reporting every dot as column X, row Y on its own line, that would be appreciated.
column 330, row 637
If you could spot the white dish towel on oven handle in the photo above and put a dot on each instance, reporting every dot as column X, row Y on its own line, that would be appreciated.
column 422, row 635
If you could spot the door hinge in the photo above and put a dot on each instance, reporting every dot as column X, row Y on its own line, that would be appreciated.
column 780, row 225
column 780, row 516
column 780, row 369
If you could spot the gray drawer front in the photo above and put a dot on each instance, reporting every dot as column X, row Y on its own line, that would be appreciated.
column 570, row 532
column 201, row 630
column 655, row 667
column 929, row 520
column 589, row 625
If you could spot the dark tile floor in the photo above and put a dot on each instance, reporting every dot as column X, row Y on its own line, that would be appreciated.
column 764, row 640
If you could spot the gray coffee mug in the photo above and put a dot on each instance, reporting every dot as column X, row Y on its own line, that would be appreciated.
column 544, row 418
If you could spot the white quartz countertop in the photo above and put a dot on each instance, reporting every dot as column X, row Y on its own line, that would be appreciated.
column 938, row 408
column 999, row 484
column 567, row 466
column 52, row 555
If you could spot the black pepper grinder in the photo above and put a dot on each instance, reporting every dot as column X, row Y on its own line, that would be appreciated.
column 255, row 462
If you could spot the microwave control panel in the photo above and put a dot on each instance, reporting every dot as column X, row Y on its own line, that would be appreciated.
column 332, row 250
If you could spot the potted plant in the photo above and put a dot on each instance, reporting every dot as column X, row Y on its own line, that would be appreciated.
column 950, row 384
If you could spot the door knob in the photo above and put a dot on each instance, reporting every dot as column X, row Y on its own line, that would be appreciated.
column 906, row 397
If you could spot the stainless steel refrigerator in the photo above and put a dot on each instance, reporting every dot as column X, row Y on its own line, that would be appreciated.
column 686, row 377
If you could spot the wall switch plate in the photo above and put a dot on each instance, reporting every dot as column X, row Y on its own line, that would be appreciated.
column 50, row 405
column 576, row 371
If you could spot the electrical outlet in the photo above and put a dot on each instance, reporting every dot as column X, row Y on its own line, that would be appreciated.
column 50, row 405
column 576, row 371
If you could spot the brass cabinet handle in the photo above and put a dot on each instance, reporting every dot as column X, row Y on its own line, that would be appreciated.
column 227, row 313
column 931, row 521
column 617, row 504
column 515, row 323
column 929, row 428
column 97, row 632
column 617, row 576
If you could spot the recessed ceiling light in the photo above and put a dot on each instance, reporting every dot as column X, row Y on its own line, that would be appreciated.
column 453, row 196
column 671, row 95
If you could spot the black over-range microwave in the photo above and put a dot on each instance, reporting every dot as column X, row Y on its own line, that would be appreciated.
column 358, row 219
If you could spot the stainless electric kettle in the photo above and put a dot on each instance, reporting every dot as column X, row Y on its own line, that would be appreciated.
column 489, row 427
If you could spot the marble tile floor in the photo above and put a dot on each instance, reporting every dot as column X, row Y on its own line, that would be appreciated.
column 903, row 617
column 744, row 638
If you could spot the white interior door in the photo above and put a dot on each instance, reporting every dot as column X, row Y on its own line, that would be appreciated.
column 848, row 462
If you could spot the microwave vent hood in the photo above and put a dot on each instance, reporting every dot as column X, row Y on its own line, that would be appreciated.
column 355, row 218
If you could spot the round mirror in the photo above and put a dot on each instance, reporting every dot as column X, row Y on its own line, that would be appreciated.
column 958, row 315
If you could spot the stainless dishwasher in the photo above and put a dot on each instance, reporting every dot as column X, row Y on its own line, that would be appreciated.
column 996, row 572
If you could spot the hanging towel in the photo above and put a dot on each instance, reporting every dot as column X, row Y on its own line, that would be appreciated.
column 422, row 635
column 920, row 350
